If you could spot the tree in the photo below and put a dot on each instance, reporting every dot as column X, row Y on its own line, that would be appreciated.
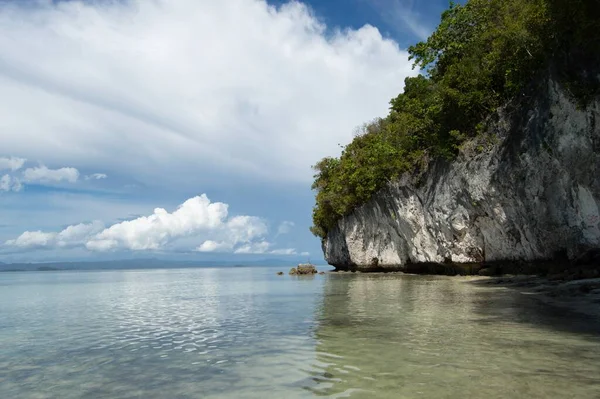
column 482, row 54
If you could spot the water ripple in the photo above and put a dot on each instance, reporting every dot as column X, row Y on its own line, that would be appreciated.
column 219, row 333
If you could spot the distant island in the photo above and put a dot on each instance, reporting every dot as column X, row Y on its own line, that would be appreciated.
column 137, row 264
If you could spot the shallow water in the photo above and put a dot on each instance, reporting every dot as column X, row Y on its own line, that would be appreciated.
column 247, row 333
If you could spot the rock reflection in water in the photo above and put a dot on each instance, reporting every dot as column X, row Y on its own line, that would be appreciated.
column 436, row 337
column 225, row 333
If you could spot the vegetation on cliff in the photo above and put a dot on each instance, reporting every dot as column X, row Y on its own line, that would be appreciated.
column 483, row 54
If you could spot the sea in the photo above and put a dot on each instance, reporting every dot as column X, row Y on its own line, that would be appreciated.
column 235, row 332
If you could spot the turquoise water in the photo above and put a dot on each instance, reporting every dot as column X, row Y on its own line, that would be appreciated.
column 247, row 333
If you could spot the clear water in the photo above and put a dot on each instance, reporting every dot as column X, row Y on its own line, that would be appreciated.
column 247, row 333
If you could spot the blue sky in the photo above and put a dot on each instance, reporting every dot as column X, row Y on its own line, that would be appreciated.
column 406, row 21
column 185, row 129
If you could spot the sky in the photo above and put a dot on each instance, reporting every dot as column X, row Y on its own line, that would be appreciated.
column 185, row 129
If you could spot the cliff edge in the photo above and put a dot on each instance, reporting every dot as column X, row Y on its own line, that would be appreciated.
column 527, row 190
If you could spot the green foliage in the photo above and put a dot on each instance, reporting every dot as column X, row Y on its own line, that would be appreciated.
column 575, row 45
column 482, row 54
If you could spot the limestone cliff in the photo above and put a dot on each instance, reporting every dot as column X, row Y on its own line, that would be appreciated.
column 527, row 190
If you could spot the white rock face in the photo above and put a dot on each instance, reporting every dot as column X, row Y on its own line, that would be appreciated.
column 533, row 193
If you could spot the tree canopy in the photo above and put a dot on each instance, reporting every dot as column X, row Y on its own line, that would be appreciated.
column 482, row 54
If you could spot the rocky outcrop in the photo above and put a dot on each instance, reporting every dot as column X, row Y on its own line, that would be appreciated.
column 302, row 269
column 527, row 190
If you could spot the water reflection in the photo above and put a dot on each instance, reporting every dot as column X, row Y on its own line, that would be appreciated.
column 156, row 334
column 247, row 333
column 404, row 336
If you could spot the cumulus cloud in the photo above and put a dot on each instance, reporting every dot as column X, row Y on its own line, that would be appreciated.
column 69, row 237
column 11, row 163
column 96, row 176
column 285, row 227
column 10, row 183
column 43, row 174
column 197, row 218
column 214, row 246
column 124, row 85
column 239, row 229
column 32, row 239
column 254, row 248
column 152, row 232
column 38, row 175
column 78, row 234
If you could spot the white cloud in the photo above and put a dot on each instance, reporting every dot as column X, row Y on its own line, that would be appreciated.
column 214, row 246
column 10, row 183
column 11, row 163
column 152, row 232
column 197, row 219
column 237, row 230
column 285, row 227
column 69, row 237
column 239, row 85
column 42, row 174
column 246, row 228
column 32, row 239
column 286, row 251
column 78, row 234
column 254, row 248
column 96, row 176
column 263, row 247
column 305, row 254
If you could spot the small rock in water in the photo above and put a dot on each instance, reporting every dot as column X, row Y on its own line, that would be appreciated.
column 304, row 269
column 280, row 273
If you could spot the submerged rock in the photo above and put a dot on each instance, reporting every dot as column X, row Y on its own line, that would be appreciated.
column 528, row 190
